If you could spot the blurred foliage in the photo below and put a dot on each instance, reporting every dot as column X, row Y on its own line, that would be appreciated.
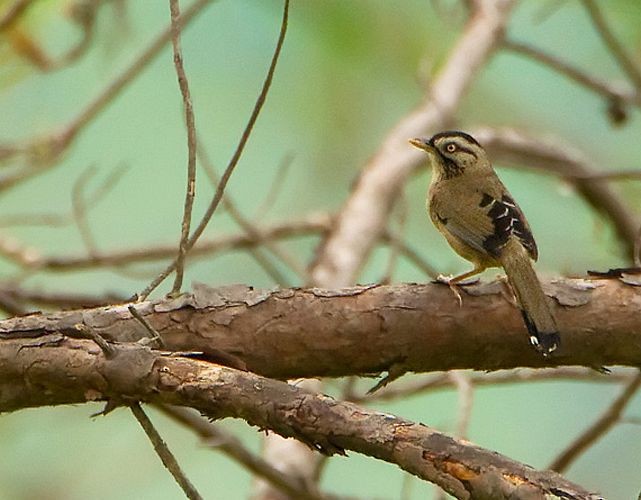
column 349, row 72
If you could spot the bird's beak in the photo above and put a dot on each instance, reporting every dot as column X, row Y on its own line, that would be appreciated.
column 422, row 144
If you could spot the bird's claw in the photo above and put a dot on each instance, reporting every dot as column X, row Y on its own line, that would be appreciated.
column 447, row 280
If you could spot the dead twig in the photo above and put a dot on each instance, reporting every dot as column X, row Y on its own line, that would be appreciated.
column 603, row 424
column 190, row 122
column 620, row 55
column 163, row 452
column 213, row 205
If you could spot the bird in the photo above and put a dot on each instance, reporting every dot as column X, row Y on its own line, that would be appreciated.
column 479, row 218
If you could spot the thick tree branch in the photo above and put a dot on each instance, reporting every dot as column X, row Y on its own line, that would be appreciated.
column 61, row 370
column 296, row 333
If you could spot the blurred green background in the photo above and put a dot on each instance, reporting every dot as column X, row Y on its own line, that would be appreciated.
column 348, row 73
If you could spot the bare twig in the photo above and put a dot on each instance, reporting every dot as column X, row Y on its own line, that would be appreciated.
column 617, row 50
column 191, row 145
column 465, row 390
column 252, row 230
column 163, row 452
column 395, row 243
column 428, row 383
column 13, row 12
column 154, row 336
column 602, row 425
column 409, row 253
column 57, row 299
column 235, row 158
column 44, row 151
column 276, row 185
column 226, row 443
column 30, row 258
column 590, row 82
column 79, row 209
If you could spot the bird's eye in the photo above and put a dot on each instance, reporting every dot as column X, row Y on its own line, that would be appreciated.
column 451, row 147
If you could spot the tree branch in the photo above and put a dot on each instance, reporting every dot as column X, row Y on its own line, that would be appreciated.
column 365, row 330
column 62, row 370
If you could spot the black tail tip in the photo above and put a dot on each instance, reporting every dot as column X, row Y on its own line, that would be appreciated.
column 546, row 343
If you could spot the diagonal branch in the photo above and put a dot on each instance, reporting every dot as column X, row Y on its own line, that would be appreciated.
column 617, row 50
column 610, row 417
column 65, row 370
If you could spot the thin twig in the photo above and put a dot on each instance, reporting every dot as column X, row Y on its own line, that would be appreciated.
column 190, row 121
column 57, row 142
column 578, row 76
column 167, row 458
column 30, row 258
column 617, row 50
column 602, row 425
column 637, row 249
column 79, row 209
column 253, row 231
column 57, row 299
column 276, row 186
column 465, row 389
column 154, row 335
column 409, row 253
column 235, row 158
column 218, row 439
column 13, row 12
column 395, row 243
column 422, row 384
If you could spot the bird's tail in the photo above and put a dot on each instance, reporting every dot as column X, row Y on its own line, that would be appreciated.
column 535, row 308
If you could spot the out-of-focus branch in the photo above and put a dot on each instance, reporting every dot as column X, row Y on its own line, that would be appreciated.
column 46, row 151
column 610, row 417
column 30, row 258
column 252, row 230
column 617, row 50
column 602, row 87
column 364, row 216
column 429, row 383
column 563, row 161
column 13, row 13
column 72, row 371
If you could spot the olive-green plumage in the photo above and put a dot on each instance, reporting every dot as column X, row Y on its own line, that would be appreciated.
column 471, row 207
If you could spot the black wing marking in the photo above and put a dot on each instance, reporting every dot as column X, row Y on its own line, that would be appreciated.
column 508, row 220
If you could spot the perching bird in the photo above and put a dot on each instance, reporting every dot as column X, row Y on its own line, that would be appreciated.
column 471, row 207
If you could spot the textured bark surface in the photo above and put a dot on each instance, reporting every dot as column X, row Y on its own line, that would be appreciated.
column 61, row 370
column 294, row 333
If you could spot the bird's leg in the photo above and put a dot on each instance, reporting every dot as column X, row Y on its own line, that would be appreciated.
column 453, row 282
column 508, row 292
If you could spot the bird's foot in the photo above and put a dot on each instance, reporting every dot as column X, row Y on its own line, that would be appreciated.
column 454, row 285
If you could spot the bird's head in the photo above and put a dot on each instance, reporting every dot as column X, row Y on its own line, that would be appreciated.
column 453, row 153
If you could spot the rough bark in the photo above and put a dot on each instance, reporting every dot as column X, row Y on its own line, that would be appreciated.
column 60, row 370
column 293, row 333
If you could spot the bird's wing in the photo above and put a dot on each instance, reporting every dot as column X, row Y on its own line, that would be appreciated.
column 487, row 225
column 507, row 220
